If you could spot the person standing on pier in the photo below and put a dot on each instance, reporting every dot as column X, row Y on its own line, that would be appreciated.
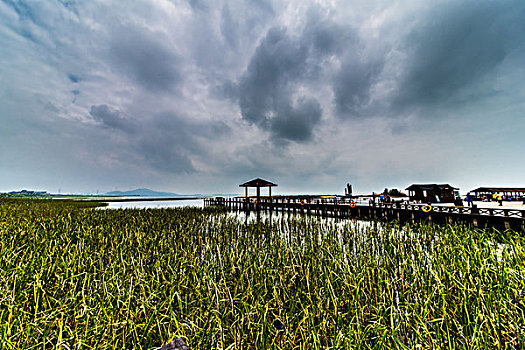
column 500, row 200
column 469, row 199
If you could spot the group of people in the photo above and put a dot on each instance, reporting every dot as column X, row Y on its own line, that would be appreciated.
column 383, row 198
column 498, row 198
column 495, row 197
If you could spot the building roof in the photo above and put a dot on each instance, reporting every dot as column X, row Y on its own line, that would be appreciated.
column 258, row 182
column 427, row 187
column 499, row 189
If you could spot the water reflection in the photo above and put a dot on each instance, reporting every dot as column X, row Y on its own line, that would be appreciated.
column 274, row 217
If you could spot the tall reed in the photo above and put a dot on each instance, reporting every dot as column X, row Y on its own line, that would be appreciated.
column 77, row 278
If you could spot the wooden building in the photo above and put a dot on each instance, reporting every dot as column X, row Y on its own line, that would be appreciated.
column 508, row 193
column 432, row 193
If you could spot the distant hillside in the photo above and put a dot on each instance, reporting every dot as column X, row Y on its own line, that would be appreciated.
column 143, row 192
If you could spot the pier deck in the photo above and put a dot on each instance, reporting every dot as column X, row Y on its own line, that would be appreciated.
column 498, row 217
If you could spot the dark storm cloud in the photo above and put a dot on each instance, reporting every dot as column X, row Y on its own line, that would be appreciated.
column 147, row 59
column 277, row 63
column 296, row 123
column 111, row 118
column 283, row 64
column 280, row 66
column 460, row 45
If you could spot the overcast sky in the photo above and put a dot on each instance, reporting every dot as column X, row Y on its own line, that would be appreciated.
column 199, row 96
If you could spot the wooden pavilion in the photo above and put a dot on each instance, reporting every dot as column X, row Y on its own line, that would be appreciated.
column 258, row 183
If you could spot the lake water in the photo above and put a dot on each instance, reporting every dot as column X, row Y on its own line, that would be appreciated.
column 156, row 204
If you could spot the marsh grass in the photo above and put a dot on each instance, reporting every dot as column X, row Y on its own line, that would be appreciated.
column 76, row 278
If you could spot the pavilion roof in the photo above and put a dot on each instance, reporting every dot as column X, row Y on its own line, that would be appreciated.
column 258, row 182
column 429, row 187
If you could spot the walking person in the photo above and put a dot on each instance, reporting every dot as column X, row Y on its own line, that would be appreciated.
column 500, row 200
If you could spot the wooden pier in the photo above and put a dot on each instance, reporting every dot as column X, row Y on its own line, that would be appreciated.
column 499, row 218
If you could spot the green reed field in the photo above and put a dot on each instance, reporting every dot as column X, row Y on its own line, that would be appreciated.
column 80, row 278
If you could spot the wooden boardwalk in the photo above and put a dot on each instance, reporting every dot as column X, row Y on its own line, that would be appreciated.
column 500, row 218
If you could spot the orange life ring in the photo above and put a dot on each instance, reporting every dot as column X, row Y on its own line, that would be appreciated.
column 427, row 208
column 352, row 204
column 302, row 202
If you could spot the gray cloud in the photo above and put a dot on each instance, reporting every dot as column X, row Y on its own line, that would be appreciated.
column 279, row 66
column 200, row 5
column 219, row 31
column 296, row 123
column 227, row 90
column 193, row 93
column 168, row 142
column 146, row 58
column 26, row 12
column 163, row 154
column 74, row 78
column 352, row 86
column 111, row 118
column 277, row 62
column 324, row 36
column 229, row 28
column 284, row 64
column 358, row 70
column 455, row 51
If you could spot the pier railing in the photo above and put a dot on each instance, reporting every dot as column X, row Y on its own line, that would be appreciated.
column 266, row 203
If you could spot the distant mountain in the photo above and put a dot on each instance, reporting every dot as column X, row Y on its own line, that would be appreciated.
column 143, row 192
